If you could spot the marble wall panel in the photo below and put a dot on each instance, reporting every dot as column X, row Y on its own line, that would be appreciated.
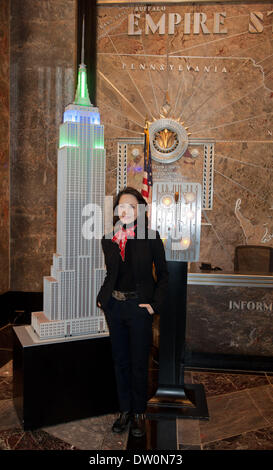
column 229, row 320
column 4, row 146
column 43, row 57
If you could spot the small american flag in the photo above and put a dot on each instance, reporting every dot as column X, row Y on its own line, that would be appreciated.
column 147, row 180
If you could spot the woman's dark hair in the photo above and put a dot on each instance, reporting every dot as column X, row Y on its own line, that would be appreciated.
column 138, row 196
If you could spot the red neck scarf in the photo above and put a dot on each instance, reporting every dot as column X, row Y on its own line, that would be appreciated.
column 120, row 238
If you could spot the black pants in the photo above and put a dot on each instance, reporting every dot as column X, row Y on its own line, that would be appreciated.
column 130, row 328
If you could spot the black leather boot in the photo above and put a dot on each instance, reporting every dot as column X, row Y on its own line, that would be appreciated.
column 122, row 422
column 138, row 425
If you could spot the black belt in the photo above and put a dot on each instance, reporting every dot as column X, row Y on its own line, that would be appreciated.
column 124, row 295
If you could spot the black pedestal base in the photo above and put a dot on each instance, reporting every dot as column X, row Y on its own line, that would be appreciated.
column 177, row 401
column 61, row 381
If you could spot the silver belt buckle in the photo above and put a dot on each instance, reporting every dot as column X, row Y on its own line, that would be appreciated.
column 118, row 295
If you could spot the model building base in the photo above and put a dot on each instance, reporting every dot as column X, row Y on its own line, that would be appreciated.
column 46, row 328
column 58, row 381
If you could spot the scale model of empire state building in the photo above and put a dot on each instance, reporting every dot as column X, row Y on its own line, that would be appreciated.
column 69, row 297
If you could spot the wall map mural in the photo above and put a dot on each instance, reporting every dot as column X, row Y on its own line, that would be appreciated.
column 206, row 73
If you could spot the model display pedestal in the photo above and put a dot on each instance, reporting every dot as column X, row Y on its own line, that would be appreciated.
column 173, row 398
column 57, row 381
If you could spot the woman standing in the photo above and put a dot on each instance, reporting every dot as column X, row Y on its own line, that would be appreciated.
column 130, row 297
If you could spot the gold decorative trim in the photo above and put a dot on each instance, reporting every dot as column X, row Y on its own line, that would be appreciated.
column 165, row 2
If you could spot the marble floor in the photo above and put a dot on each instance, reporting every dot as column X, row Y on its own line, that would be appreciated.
column 240, row 409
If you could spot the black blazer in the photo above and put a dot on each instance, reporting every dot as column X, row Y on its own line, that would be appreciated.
column 145, row 252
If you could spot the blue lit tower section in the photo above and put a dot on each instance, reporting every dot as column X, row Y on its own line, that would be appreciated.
column 78, row 264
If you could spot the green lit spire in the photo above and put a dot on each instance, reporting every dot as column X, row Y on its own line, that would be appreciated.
column 82, row 95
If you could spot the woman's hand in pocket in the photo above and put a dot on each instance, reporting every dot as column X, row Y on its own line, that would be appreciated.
column 149, row 308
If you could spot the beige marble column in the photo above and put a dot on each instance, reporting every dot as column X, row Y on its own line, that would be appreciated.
column 43, row 57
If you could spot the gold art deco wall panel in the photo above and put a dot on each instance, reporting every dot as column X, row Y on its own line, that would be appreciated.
column 210, row 68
